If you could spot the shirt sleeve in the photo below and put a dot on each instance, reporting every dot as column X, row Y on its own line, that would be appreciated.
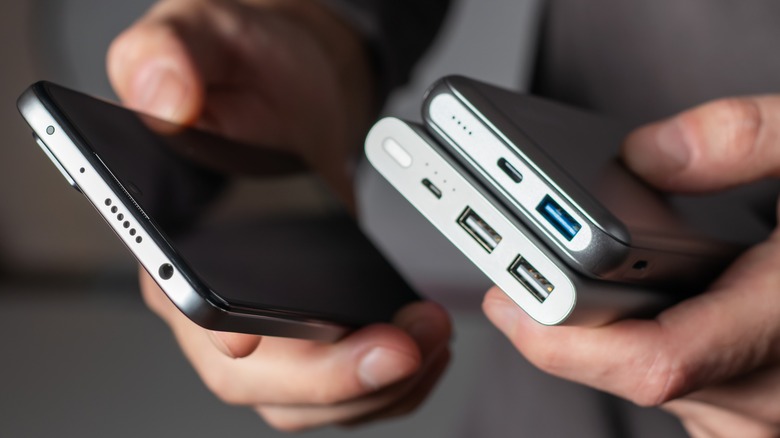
column 397, row 33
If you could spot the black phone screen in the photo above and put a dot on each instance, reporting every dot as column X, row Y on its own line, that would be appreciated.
column 306, row 264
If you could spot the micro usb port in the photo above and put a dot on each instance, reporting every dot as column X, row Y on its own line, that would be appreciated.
column 532, row 279
column 477, row 228
column 558, row 218
column 432, row 188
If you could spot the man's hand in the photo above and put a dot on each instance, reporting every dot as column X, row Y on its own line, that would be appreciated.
column 377, row 372
column 281, row 73
column 284, row 73
column 712, row 360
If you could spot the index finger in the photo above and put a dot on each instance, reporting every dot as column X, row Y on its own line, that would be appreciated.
column 163, row 64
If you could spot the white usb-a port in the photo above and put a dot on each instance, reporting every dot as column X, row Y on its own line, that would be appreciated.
column 483, row 233
column 533, row 280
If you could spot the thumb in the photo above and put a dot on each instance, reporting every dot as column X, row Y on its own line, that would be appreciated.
column 235, row 345
column 151, row 71
column 714, row 146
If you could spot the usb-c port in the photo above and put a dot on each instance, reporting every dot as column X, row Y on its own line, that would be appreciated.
column 510, row 170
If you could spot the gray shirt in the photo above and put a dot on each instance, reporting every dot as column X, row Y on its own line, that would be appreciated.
column 645, row 60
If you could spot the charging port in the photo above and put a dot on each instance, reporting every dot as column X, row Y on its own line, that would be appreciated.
column 558, row 218
column 483, row 233
column 510, row 170
column 532, row 279
column 432, row 188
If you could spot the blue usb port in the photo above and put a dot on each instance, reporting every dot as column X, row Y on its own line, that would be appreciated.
column 558, row 218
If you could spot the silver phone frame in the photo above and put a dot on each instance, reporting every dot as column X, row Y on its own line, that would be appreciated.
column 90, row 176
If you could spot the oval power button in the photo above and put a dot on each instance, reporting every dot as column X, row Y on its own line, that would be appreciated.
column 397, row 152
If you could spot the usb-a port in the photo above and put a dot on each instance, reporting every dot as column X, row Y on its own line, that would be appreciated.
column 558, row 218
column 533, row 280
column 483, row 233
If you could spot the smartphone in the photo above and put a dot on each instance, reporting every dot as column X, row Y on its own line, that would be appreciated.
column 303, row 275
column 556, row 170
column 499, row 244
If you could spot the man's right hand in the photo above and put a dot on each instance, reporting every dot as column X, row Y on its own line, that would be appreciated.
column 281, row 73
column 289, row 74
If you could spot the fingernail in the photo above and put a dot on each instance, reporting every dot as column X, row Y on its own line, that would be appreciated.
column 159, row 91
column 220, row 344
column 673, row 146
column 382, row 366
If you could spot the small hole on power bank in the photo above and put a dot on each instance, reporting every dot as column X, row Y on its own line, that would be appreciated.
column 641, row 265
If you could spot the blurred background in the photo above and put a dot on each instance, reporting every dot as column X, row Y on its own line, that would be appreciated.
column 81, row 355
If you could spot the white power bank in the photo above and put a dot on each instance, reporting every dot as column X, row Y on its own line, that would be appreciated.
column 502, row 247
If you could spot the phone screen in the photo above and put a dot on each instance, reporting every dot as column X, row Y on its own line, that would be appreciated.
column 306, row 264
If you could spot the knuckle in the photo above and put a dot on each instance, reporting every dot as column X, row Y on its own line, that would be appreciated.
column 665, row 379
column 549, row 360
column 119, row 46
column 733, row 123
column 281, row 421
column 745, row 119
